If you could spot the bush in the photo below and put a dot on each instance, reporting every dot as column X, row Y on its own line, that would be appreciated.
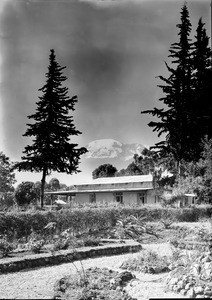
column 94, row 284
column 147, row 262
column 5, row 247
column 20, row 224
column 36, row 246
column 25, row 193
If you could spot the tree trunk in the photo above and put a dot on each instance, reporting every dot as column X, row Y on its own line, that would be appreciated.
column 43, row 180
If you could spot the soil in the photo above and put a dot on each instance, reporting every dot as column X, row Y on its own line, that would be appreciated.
column 38, row 283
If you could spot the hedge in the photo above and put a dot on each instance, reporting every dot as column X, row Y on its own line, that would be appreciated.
column 21, row 224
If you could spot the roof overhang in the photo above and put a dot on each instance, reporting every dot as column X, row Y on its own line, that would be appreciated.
column 72, row 192
column 190, row 195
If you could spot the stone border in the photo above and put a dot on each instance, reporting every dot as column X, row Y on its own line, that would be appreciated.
column 65, row 256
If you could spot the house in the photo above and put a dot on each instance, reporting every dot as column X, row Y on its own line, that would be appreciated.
column 134, row 190
column 187, row 200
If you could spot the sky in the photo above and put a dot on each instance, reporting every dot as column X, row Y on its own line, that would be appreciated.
column 113, row 51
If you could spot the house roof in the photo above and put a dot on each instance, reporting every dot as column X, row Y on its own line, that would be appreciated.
column 102, row 190
column 190, row 195
column 121, row 179
column 101, row 185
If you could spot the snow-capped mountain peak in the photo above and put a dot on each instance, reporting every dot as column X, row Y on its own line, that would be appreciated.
column 110, row 148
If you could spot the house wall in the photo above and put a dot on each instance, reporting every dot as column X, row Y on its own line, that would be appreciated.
column 104, row 197
column 128, row 197
column 82, row 198
column 151, row 197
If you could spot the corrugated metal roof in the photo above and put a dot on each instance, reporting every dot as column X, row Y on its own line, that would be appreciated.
column 121, row 179
column 99, row 191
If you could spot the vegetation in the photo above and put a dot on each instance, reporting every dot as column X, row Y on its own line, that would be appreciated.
column 106, row 170
column 142, row 165
column 147, row 262
column 97, row 285
column 84, row 220
column 187, row 117
column 25, row 193
column 51, row 150
column 7, row 179
column 5, row 247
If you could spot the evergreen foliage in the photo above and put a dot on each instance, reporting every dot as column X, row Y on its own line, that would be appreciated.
column 202, row 83
column 51, row 149
column 187, row 113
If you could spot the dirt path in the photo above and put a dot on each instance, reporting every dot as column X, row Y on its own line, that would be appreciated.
column 38, row 283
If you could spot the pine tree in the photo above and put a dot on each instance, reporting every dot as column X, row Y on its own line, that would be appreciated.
column 175, row 119
column 51, row 149
column 202, row 83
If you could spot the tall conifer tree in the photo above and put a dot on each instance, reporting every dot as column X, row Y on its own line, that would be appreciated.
column 175, row 119
column 202, row 83
column 51, row 149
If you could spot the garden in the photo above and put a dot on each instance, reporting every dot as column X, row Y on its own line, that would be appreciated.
column 187, row 231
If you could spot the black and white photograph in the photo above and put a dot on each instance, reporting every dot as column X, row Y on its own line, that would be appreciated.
column 105, row 149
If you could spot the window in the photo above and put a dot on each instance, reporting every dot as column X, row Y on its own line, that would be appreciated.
column 118, row 197
column 141, row 198
column 157, row 199
column 92, row 198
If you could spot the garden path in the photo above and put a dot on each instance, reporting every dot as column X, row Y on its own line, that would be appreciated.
column 38, row 283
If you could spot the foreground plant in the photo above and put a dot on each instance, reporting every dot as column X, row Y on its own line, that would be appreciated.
column 147, row 262
column 134, row 227
column 5, row 247
column 102, row 284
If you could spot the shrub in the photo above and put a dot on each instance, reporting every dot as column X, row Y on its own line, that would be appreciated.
column 19, row 224
column 147, row 262
column 5, row 247
column 36, row 246
column 167, row 219
column 25, row 193
column 96, row 286
column 133, row 227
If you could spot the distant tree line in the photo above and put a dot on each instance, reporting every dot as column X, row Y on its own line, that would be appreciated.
column 196, row 177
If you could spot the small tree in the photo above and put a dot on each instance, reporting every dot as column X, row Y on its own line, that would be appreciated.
column 54, row 184
column 25, row 193
column 7, row 176
column 7, row 179
column 51, row 149
column 105, row 170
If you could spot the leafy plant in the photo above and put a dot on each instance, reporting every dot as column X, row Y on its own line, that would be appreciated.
column 133, row 227
column 147, row 262
column 35, row 242
column 5, row 247
column 98, row 286
column 167, row 219
column 36, row 246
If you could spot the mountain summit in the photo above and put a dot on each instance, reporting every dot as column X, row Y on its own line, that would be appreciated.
column 109, row 148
